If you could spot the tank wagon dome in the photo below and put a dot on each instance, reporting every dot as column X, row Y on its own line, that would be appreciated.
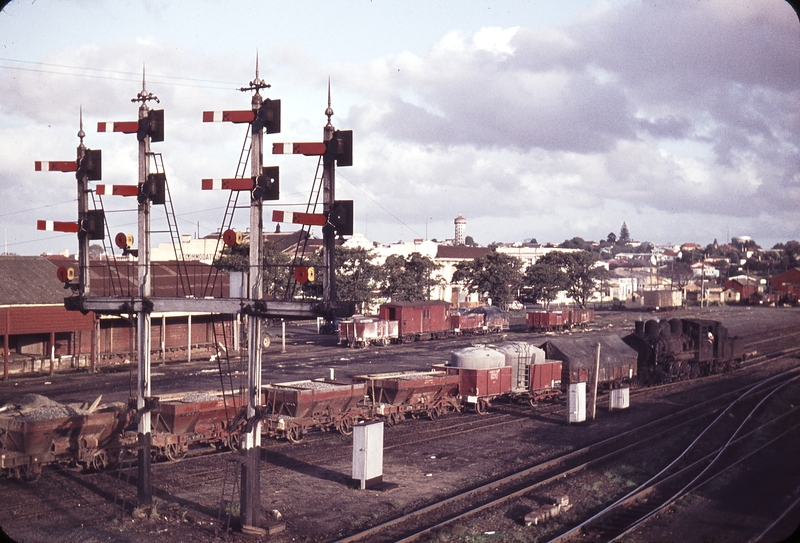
column 516, row 350
column 477, row 358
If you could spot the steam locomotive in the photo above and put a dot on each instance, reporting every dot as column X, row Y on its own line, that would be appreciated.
column 678, row 349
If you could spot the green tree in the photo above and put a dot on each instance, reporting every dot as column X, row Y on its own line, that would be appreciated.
column 792, row 251
column 545, row 279
column 276, row 266
column 95, row 251
column 576, row 243
column 581, row 271
column 624, row 235
column 495, row 275
column 356, row 275
column 407, row 279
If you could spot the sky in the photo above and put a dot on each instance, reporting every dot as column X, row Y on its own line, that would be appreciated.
column 539, row 120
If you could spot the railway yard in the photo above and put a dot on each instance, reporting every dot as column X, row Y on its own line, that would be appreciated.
column 707, row 459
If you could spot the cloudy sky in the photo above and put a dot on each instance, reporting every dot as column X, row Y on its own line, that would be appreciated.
column 532, row 119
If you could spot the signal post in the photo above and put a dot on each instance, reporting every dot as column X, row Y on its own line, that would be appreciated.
column 263, row 185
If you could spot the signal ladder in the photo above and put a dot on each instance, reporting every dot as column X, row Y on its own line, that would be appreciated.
column 172, row 227
column 305, row 231
column 231, row 206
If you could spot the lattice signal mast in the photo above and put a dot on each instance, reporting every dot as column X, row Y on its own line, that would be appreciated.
column 87, row 167
column 335, row 149
column 263, row 185
column 149, row 128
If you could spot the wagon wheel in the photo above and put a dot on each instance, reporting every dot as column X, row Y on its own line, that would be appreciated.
column 532, row 401
column 294, row 434
column 480, row 407
column 99, row 461
column 175, row 452
column 345, row 427
column 392, row 419
column 28, row 473
column 233, row 441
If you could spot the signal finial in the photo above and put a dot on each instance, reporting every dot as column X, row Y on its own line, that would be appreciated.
column 257, row 83
column 329, row 129
column 81, row 133
column 144, row 96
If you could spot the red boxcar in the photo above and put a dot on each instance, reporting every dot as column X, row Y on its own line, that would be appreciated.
column 466, row 323
column 480, row 386
column 580, row 317
column 545, row 321
column 418, row 320
column 545, row 379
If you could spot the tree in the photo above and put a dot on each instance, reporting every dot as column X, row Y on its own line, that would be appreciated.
column 407, row 279
column 276, row 266
column 624, row 235
column 611, row 238
column 581, row 271
column 792, row 251
column 576, row 243
column 356, row 275
column 469, row 242
column 495, row 275
column 545, row 279
column 95, row 251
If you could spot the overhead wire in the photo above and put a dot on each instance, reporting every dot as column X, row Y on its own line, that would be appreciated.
column 134, row 77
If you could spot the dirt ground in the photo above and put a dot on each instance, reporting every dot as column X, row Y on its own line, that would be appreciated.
column 309, row 484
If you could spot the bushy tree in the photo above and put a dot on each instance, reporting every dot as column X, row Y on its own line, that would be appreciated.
column 576, row 243
column 407, row 279
column 276, row 266
column 356, row 275
column 545, row 279
column 495, row 275
column 581, row 272
column 624, row 234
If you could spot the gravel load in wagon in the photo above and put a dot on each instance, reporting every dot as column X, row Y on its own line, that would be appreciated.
column 411, row 387
column 34, row 424
column 311, row 398
column 196, row 412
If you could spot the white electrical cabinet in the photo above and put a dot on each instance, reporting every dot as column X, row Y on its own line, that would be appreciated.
column 576, row 402
column 368, row 454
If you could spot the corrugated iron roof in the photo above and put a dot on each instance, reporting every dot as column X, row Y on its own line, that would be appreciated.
column 580, row 350
column 30, row 280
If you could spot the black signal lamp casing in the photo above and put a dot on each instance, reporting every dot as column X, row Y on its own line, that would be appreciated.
column 94, row 223
column 268, row 116
column 90, row 165
column 341, row 217
column 152, row 125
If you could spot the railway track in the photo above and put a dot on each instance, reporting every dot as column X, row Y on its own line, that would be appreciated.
column 416, row 524
column 681, row 477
